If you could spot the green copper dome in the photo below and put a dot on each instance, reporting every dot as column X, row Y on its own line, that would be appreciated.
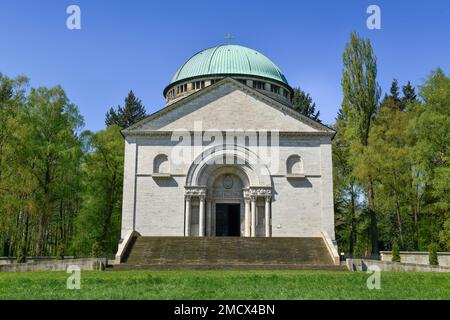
column 229, row 60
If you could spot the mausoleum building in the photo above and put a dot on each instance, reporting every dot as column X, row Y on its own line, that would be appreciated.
column 228, row 157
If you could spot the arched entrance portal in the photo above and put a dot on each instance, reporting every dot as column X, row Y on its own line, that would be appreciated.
column 225, row 189
column 228, row 199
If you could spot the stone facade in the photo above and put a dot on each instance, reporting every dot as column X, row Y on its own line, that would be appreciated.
column 291, row 195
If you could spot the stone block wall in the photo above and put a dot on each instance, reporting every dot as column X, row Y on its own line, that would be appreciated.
column 55, row 265
column 364, row 265
column 417, row 257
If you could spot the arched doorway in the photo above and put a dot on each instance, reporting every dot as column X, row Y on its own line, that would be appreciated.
column 231, row 199
column 225, row 198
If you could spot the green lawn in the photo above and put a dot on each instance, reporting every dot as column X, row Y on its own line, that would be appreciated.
column 224, row 285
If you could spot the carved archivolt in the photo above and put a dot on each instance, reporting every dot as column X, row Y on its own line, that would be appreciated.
column 211, row 159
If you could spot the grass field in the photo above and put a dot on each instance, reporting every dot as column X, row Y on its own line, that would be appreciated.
column 224, row 285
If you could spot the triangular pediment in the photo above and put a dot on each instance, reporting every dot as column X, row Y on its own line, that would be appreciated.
column 227, row 105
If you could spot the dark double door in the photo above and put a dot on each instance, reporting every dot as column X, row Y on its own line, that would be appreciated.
column 228, row 222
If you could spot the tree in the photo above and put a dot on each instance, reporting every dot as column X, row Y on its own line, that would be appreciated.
column 12, row 104
column 393, row 100
column 409, row 94
column 430, row 129
column 432, row 254
column 395, row 252
column 346, row 191
column 360, row 104
column 303, row 103
column 400, row 191
column 132, row 112
column 395, row 90
column 40, row 154
column 51, row 153
column 392, row 166
column 444, row 235
column 98, row 222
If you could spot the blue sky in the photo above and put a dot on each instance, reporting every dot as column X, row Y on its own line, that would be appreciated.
column 138, row 45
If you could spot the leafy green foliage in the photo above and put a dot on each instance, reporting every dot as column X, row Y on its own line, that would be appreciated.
column 60, row 251
column 96, row 250
column 55, row 179
column 444, row 235
column 395, row 252
column 51, row 153
column 21, row 255
column 98, row 222
column 403, row 164
column 361, row 90
column 433, row 256
column 359, row 106
column 39, row 161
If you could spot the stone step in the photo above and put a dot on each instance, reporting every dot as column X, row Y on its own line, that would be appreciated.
column 227, row 253
column 163, row 267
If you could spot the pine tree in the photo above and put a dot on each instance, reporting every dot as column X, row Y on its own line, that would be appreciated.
column 393, row 100
column 112, row 116
column 395, row 90
column 132, row 112
column 303, row 103
column 409, row 94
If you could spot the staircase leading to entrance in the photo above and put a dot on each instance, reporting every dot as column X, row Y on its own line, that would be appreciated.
column 167, row 253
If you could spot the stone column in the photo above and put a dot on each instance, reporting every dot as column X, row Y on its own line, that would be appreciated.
column 201, row 217
column 253, row 202
column 208, row 218
column 247, row 217
column 267, row 216
column 187, row 217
